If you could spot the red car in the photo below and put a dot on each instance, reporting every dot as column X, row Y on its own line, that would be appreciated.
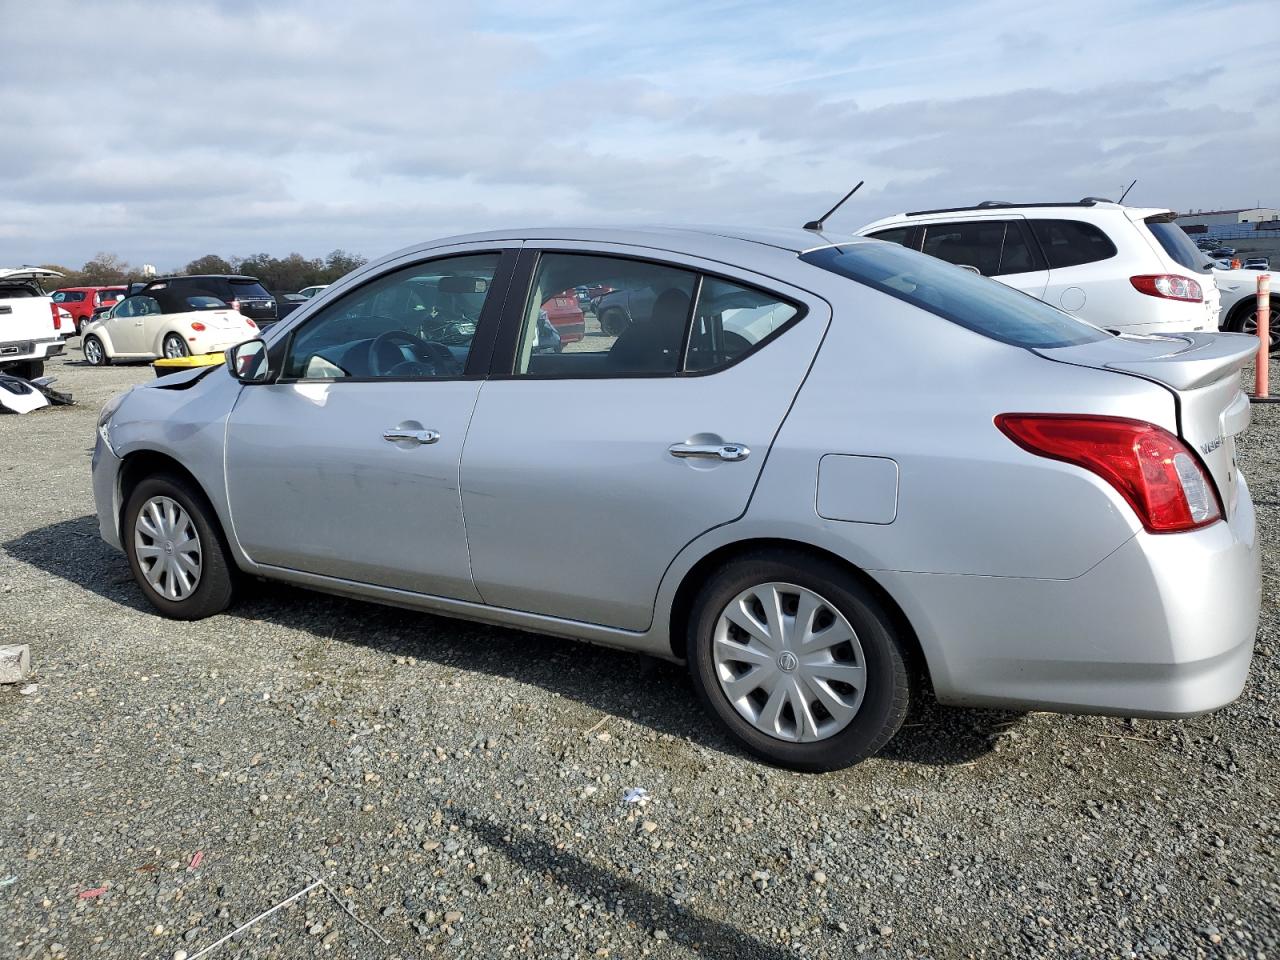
column 565, row 316
column 80, row 302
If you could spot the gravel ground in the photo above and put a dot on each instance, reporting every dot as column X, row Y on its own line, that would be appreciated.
column 460, row 788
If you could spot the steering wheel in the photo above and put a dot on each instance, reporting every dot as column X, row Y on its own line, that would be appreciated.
column 386, row 359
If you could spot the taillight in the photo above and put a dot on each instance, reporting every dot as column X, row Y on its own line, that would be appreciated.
column 251, row 323
column 197, row 326
column 1168, row 285
column 1152, row 469
column 57, row 317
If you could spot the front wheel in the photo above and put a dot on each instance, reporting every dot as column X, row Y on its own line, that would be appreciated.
column 799, row 661
column 94, row 353
column 177, row 555
column 175, row 347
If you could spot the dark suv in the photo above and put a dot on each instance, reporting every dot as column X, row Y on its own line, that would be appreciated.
column 245, row 294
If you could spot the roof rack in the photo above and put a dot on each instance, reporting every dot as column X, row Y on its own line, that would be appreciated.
column 994, row 204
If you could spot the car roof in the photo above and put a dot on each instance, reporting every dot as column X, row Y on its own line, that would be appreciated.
column 997, row 208
column 203, row 276
column 713, row 242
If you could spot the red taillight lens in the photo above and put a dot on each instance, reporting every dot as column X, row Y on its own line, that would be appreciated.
column 1170, row 286
column 197, row 326
column 57, row 317
column 251, row 323
column 1161, row 478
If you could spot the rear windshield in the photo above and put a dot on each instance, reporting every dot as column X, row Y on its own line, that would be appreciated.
column 976, row 303
column 205, row 303
column 249, row 290
column 15, row 289
column 1177, row 244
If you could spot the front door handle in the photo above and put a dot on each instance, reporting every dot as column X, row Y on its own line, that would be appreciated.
column 728, row 452
column 397, row 435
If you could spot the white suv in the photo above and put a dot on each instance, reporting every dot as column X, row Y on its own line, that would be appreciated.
column 29, row 322
column 1126, row 269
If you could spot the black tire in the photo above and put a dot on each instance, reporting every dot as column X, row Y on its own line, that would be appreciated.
column 28, row 370
column 183, row 351
column 890, row 681
column 95, row 354
column 1244, row 319
column 216, row 587
column 613, row 321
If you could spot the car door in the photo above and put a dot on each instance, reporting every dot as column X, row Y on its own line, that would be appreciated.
column 590, row 465
column 347, row 465
column 127, row 326
column 996, row 248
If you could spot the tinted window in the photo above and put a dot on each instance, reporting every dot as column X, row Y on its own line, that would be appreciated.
column 69, row 296
column 973, row 244
column 249, row 290
column 415, row 323
column 633, row 321
column 204, row 303
column 137, row 307
column 894, row 235
column 729, row 321
column 1177, row 244
column 985, row 306
column 1069, row 243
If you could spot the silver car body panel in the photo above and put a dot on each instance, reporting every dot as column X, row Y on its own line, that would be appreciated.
column 1027, row 581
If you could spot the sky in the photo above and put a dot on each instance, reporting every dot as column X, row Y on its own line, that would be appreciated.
column 164, row 131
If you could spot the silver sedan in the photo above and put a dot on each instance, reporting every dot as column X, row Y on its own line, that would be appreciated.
column 824, row 473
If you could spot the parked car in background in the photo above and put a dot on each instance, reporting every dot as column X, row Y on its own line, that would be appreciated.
column 83, row 302
column 1257, row 263
column 1238, row 290
column 66, row 326
column 165, row 321
column 1222, row 252
column 564, row 313
column 1038, row 515
column 306, row 293
column 29, row 322
column 244, row 294
column 1125, row 269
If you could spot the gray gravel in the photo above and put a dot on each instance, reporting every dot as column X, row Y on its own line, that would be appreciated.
column 460, row 787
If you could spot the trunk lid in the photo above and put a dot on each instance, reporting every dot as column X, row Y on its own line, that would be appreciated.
column 25, row 316
column 1202, row 371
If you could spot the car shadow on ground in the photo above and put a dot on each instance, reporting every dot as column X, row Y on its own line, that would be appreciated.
column 652, row 692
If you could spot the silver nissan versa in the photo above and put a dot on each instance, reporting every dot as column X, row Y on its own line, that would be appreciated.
column 820, row 471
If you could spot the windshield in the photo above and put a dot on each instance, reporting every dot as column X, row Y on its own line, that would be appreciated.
column 974, row 302
column 1177, row 244
column 205, row 303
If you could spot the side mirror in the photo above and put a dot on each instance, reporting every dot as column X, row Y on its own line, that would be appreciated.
column 248, row 362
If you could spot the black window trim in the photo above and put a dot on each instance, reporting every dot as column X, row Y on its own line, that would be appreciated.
column 482, row 343
column 504, row 356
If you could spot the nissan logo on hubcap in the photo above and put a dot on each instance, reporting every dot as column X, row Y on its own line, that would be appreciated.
column 787, row 661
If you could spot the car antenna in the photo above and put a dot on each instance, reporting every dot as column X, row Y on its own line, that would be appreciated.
column 1126, row 192
column 817, row 224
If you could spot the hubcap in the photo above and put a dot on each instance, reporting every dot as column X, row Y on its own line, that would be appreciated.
column 92, row 351
column 789, row 662
column 1250, row 325
column 173, row 348
column 168, row 548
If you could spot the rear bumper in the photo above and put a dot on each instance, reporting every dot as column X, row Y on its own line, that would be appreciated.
column 1163, row 627
column 24, row 350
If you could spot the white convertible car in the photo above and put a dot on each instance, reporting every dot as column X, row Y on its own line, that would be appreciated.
column 164, row 323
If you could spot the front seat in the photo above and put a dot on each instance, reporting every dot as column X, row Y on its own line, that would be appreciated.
column 653, row 346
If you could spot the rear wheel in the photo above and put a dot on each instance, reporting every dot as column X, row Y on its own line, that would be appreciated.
column 175, row 347
column 176, row 550
column 94, row 353
column 799, row 661
column 1247, row 322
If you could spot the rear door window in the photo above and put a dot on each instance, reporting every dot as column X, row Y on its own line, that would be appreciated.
column 984, row 306
column 893, row 235
column 1070, row 243
column 974, row 243
column 730, row 321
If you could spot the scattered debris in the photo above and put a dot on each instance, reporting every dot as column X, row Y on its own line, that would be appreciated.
column 7, row 881
column 344, row 905
column 29, row 689
column 22, row 396
column 15, row 662
column 262, row 916
column 90, row 894
column 635, row 795
column 195, row 861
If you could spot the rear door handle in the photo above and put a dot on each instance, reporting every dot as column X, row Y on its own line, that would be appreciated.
column 410, row 436
column 728, row 452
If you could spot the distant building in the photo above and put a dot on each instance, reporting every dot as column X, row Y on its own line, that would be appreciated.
column 1220, row 218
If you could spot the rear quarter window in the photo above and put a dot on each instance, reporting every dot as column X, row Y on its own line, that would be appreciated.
column 1175, row 242
column 984, row 306
column 248, row 290
column 1070, row 243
